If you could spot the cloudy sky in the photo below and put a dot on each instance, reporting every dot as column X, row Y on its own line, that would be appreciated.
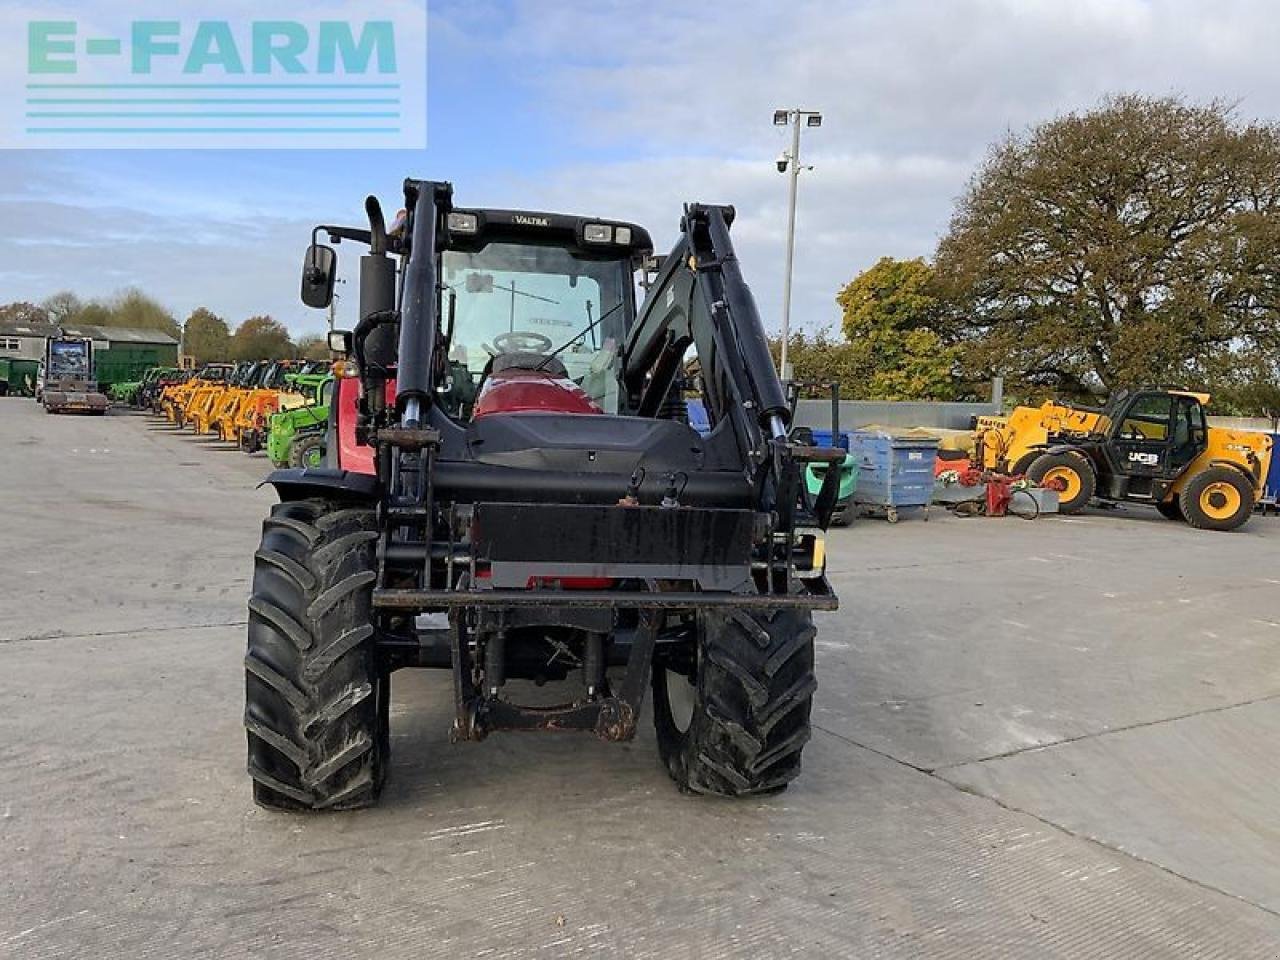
column 628, row 110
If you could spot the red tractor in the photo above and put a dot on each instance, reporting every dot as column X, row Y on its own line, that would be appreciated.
column 513, row 456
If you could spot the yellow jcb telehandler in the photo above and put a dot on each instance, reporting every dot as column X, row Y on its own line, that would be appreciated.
column 1146, row 446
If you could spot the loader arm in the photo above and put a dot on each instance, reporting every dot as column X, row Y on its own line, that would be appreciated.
column 700, row 298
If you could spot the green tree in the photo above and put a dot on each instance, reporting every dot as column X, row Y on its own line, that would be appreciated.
column 24, row 313
column 312, row 346
column 823, row 357
column 1137, row 243
column 261, row 338
column 96, row 313
column 63, row 307
column 133, row 308
column 890, row 315
column 206, row 336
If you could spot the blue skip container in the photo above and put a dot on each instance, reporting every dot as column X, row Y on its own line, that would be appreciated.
column 895, row 471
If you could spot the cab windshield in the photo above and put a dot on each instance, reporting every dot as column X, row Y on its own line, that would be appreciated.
column 68, row 358
column 514, row 298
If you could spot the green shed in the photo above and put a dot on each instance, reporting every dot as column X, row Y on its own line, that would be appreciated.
column 123, row 354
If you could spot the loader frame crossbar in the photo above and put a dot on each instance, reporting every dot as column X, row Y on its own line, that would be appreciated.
column 617, row 599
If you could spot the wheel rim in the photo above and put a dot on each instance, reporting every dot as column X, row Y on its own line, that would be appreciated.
column 1220, row 500
column 681, row 700
column 313, row 457
column 1069, row 478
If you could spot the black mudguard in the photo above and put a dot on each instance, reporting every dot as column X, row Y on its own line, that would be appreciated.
column 298, row 483
column 1252, row 477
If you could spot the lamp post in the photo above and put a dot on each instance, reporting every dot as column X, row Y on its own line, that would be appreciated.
column 789, row 163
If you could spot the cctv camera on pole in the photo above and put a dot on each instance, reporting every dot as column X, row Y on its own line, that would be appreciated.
column 791, row 161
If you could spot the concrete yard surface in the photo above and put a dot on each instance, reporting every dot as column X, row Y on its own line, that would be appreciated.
column 1048, row 739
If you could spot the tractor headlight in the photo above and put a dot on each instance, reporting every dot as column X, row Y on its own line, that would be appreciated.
column 597, row 233
column 622, row 235
column 464, row 223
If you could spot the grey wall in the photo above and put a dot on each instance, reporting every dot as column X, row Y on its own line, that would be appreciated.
column 816, row 414
column 1246, row 423
column 857, row 413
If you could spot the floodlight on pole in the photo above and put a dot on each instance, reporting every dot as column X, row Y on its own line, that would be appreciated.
column 790, row 163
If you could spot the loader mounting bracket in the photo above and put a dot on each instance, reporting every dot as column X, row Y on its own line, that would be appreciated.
column 612, row 717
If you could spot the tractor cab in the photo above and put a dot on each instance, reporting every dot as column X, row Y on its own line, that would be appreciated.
column 1152, row 437
column 534, row 312
column 538, row 307
column 214, row 372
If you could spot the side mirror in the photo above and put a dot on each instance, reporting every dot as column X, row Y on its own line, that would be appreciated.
column 319, row 273
column 340, row 342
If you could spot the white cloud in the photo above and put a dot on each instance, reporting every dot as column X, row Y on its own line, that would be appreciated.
column 913, row 93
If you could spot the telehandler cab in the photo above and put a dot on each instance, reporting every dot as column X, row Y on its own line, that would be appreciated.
column 534, row 482
column 1146, row 446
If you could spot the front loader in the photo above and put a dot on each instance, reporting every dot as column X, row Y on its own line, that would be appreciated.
column 1152, row 446
column 223, row 416
column 151, row 395
column 176, row 401
column 270, row 395
column 211, row 401
column 515, row 495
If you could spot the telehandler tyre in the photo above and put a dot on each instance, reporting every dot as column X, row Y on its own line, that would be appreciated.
column 307, row 451
column 1171, row 509
column 739, row 727
column 1019, row 469
column 1219, row 498
column 316, row 698
column 1073, row 471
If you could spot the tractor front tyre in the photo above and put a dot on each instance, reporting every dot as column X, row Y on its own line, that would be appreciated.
column 307, row 451
column 738, row 727
column 1070, row 474
column 316, row 697
column 1170, row 509
column 1220, row 498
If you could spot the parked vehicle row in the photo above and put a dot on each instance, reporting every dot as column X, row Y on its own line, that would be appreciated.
column 279, row 405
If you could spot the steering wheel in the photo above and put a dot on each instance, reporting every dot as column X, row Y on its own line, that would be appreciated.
column 521, row 341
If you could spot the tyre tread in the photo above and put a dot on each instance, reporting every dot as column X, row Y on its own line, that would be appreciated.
column 311, row 676
column 755, row 690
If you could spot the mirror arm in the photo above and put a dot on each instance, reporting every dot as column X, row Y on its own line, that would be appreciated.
column 338, row 234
